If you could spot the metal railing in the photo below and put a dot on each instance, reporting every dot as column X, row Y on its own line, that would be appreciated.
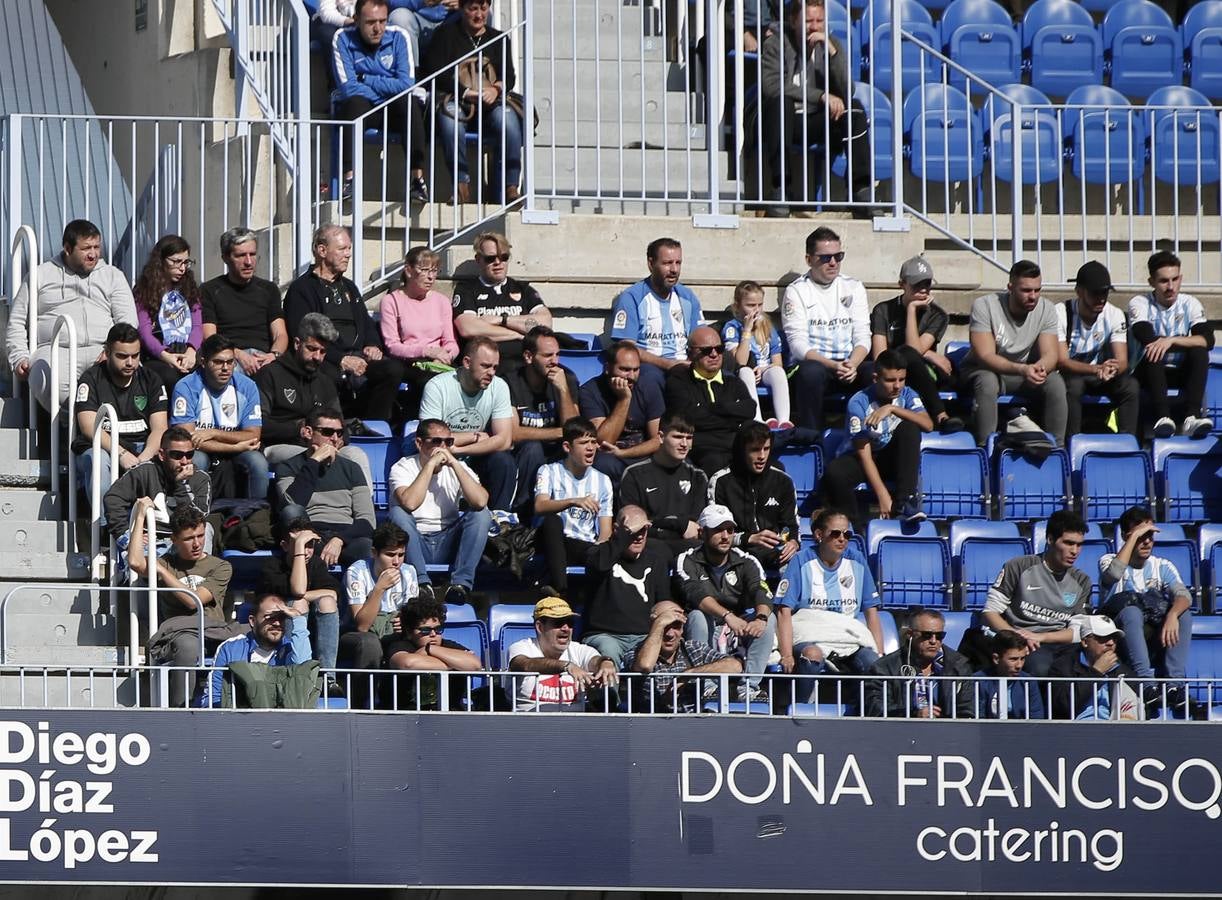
column 64, row 326
column 23, row 273
column 97, row 520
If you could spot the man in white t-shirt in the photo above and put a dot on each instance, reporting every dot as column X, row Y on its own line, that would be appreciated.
column 560, row 669
column 1094, row 350
column 826, row 319
column 474, row 403
column 1175, row 338
column 438, row 501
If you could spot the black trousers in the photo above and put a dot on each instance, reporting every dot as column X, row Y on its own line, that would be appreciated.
column 376, row 397
column 787, row 135
column 1189, row 376
column 899, row 461
column 925, row 382
column 403, row 116
column 560, row 551
column 1121, row 390
column 812, row 381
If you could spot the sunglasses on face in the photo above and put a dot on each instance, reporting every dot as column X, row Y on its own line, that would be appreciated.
column 715, row 350
column 179, row 454
column 559, row 623
column 490, row 258
column 328, row 432
column 438, row 441
column 927, row 635
column 274, row 617
column 836, row 533
column 826, row 258
column 427, row 630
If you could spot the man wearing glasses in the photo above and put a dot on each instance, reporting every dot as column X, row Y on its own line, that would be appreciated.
column 715, row 404
column 439, row 502
column 279, row 636
column 560, row 670
column 496, row 306
column 827, row 324
column 925, row 678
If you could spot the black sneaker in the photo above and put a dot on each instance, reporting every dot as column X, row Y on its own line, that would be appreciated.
column 334, row 691
column 950, row 425
column 909, row 509
column 419, row 192
column 424, row 591
column 457, row 593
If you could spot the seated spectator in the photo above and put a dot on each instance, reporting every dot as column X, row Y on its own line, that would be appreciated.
column 669, row 488
column 439, row 502
column 219, row 407
column 755, row 350
column 1093, row 344
column 188, row 579
column 484, row 103
column 544, row 395
column 419, row 647
column 626, row 411
column 76, row 284
column 940, row 685
column 715, row 406
column 1037, row 595
column 836, row 586
column 291, row 387
column 370, row 65
column 139, row 399
column 1014, row 350
column 368, row 381
column 329, row 490
column 279, row 636
column 657, row 313
column 299, row 575
column 885, row 426
column 170, row 480
column 760, row 496
column 244, row 307
column 575, row 502
column 169, row 311
column 331, row 16
column 417, row 321
column 665, row 652
column 496, row 306
column 827, row 325
column 378, row 588
column 474, row 403
column 726, row 597
column 420, row 18
column 1175, row 339
column 560, row 669
column 1096, row 657
column 631, row 574
column 912, row 325
column 1006, row 677
column 1147, row 598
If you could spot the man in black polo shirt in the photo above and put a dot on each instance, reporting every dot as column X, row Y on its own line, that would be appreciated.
column 495, row 305
column 544, row 397
column 367, row 379
column 626, row 412
column 242, row 306
column 138, row 397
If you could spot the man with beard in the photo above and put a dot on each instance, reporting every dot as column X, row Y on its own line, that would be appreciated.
column 626, row 412
column 279, row 636
column 665, row 652
column 560, row 670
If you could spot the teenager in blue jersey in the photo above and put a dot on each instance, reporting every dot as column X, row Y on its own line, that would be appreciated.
column 827, row 578
column 219, row 406
column 657, row 313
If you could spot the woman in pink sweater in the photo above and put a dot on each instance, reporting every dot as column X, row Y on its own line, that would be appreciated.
column 418, row 322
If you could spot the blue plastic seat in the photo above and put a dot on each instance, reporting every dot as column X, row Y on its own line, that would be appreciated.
column 876, row 34
column 1205, row 660
column 954, row 477
column 882, row 133
column 1040, row 131
column 980, row 36
column 1209, row 539
column 1187, row 474
column 1201, row 32
column 877, row 529
column 460, row 612
column 1108, row 139
column 914, row 571
column 247, row 568
column 1213, row 394
column 980, row 560
column 502, row 614
column 1061, row 46
column 1142, row 47
column 379, row 427
column 378, row 450
column 584, row 364
column 1110, row 473
column 945, row 134
column 891, row 634
column 979, row 529
column 805, row 468
column 472, row 635
column 1184, row 140
column 1027, row 488
column 841, row 26
column 957, row 623
column 510, row 633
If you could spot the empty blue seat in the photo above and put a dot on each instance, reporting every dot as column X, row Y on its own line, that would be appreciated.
column 246, row 568
column 1205, row 660
column 876, row 35
column 1209, row 539
column 805, row 468
column 1201, row 32
column 1142, row 48
column 1040, row 134
column 913, row 571
column 502, row 614
column 1028, row 488
column 945, row 134
column 1187, row 475
column 980, row 529
column 1184, row 137
column 379, row 452
column 1110, row 473
column 979, row 562
column 877, row 529
column 460, row 612
column 1061, row 46
column 584, row 364
column 954, row 476
column 1108, row 139
column 980, row 36
column 1213, row 393
column 891, row 634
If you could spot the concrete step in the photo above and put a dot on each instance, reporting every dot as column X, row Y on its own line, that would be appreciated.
column 76, row 689
column 16, row 443
column 44, row 564
column 568, row 133
column 49, row 625
column 603, row 32
column 633, row 172
column 24, row 534
column 656, row 106
column 25, row 505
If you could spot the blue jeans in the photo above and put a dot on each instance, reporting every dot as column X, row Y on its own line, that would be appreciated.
column 253, row 462
column 498, row 473
column 859, row 663
column 700, row 628
column 619, row 648
column 84, row 471
column 418, row 28
column 495, row 121
column 1175, row 659
column 460, row 544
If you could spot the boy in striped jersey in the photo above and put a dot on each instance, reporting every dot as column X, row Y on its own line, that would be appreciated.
column 575, row 500
column 1173, row 331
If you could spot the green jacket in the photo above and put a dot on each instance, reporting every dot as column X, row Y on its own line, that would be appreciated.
column 260, row 686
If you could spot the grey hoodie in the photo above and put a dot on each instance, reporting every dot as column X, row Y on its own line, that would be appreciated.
column 94, row 302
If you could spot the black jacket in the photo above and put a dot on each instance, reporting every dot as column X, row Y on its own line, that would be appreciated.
column 716, row 418
column 627, row 589
column 1072, row 697
column 672, row 495
column 740, row 589
column 451, row 42
column 955, row 680
column 149, row 479
column 310, row 294
column 767, row 501
column 287, row 394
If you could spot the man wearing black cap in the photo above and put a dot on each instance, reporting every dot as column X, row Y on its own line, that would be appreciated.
column 1094, row 354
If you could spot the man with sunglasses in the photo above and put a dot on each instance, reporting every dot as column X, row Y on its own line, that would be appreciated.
column 925, row 679
column 279, row 636
column 495, row 305
column 169, row 480
column 716, row 405
column 559, row 670
column 439, row 502
column 419, row 646
column 827, row 324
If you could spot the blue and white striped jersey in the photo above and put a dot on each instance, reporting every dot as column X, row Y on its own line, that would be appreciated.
column 236, row 407
column 1157, row 574
column 657, row 325
column 558, row 483
column 1091, row 344
column 807, row 583
column 1175, row 320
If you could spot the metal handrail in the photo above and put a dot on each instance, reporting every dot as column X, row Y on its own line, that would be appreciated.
column 25, row 237
column 63, row 324
column 106, row 413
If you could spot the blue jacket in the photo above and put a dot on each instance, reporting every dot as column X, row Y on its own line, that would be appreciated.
column 436, row 13
column 294, row 649
column 1025, row 701
column 636, row 315
column 375, row 74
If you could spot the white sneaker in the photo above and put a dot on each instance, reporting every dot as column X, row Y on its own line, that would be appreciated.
column 1197, row 427
column 1164, row 427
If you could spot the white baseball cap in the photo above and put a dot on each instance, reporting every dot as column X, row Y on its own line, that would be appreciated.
column 715, row 515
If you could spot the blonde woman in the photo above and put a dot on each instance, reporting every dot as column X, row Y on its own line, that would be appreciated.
column 754, row 348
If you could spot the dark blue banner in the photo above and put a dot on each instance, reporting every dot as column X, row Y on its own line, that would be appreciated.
column 710, row 803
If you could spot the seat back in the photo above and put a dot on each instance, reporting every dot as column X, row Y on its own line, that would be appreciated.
column 1191, row 486
column 1032, row 489
column 1202, row 36
column 914, row 571
column 1144, row 48
column 511, row 632
column 954, row 482
column 1110, row 474
column 980, row 36
column 1064, row 49
column 1184, row 140
column 979, row 561
column 987, row 529
column 877, row 529
column 1205, row 660
column 805, row 468
column 378, row 451
column 957, row 623
column 502, row 614
column 584, row 364
column 473, row 636
column 460, row 612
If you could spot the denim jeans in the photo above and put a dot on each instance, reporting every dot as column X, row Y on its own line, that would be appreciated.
column 1175, row 659
column 418, row 28
column 84, row 471
column 495, row 122
column 701, row 627
column 616, row 647
column 253, row 462
column 460, row 544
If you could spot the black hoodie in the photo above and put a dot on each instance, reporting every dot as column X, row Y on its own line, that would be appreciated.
column 766, row 501
column 287, row 394
column 673, row 494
